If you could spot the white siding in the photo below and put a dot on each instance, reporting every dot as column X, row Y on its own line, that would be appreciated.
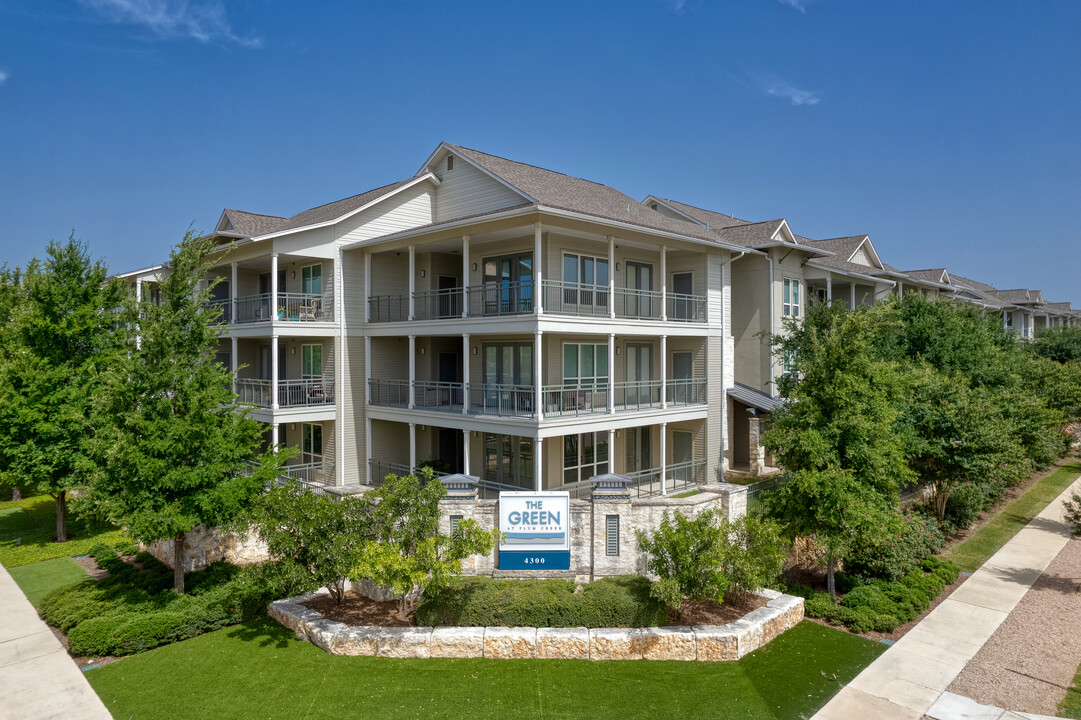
column 408, row 209
column 467, row 191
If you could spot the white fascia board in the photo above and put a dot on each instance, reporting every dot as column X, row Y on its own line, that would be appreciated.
column 661, row 201
column 140, row 271
column 349, row 214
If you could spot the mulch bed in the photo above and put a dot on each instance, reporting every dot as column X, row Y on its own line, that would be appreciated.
column 91, row 566
column 357, row 609
column 710, row 612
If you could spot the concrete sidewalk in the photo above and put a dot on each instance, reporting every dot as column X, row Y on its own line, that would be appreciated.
column 906, row 680
column 38, row 679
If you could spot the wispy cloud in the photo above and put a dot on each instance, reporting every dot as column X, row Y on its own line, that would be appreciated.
column 3, row 77
column 795, row 95
column 203, row 21
column 800, row 5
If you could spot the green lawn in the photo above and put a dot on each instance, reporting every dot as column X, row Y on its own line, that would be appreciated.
column 1070, row 707
column 259, row 669
column 975, row 550
column 33, row 520
column 36, row 579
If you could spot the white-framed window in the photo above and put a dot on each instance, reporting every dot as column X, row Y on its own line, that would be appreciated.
column 311, row 361
column 585, row 364
column 790, row 299
column 585, row 270
column 584, row 456
column 311, row 443
column 789, row 361
column 311, row 278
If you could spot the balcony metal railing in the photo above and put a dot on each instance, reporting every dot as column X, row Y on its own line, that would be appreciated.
column 638, row 304
column 388, row 308
column 565, row 298
column 306, row 392
column 501, row 400
column 437, row 304
column 388, row 393
column 678, row 478
column 379, row 469
column 490, row 489
column 638, row 395
column 500, row 298
column 444, row 396
column 686, row 391
column 294, row 307
column 569, row 400
column 311, row 473
column 686, row 308
column 225, row 306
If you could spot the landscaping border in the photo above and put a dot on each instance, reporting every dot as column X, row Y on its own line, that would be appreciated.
column 707, row 643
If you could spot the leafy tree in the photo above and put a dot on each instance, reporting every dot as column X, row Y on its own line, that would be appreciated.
column 317, row 536
column 837, row 432
column 407, row 553
column 57, row 333
column 1061, row 343
column 174, row 451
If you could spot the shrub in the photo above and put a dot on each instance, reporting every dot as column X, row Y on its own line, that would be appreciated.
column 126, row 547
column 1072, row 508
column 846, row 582
column 623, row 601
column 819, row 605
column 891, row 559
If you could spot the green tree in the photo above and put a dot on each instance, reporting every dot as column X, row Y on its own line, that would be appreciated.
column 407, row 553
column 174, row 451
column 837, row 432
column 58, row 333
column 1061, row 343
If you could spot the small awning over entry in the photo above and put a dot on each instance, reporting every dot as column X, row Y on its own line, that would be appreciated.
column 754, row 398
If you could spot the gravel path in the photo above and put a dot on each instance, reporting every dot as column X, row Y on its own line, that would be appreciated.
column 1030, row 661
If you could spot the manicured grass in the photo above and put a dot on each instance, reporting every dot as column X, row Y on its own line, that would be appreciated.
column 37, row 579
column 260, row 669
column 1070, row 707
column 33, row 520
column 975, row 550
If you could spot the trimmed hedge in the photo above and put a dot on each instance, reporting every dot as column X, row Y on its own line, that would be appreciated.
column 134, row 610
column 920, row 537
column 878, row 604
column 610, row 602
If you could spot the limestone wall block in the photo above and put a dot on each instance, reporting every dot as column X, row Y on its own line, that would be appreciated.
column 770, row 621
column 358, row 640
column 716, row 643
column 324, row 633
column 510, row 643
column 615, row 644
column 404, row 642
column 791, row 608
column 748, row 635
column 668, row 643
column 457, row 642
column 563, row 643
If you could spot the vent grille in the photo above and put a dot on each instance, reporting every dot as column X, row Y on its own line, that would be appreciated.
column 454, row 520
column 612, row 534
column 450, row 162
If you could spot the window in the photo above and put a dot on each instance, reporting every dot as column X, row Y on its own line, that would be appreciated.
column 789, row 362
column 311, row 443
column 311, row 280
column 311, row 365
column 791, row 298
column 508, row 459
column 585, row 364
column 611, row 539
column 585, row 281
column 584, row 456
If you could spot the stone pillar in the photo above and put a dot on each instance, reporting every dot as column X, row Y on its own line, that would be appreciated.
column 757, row 452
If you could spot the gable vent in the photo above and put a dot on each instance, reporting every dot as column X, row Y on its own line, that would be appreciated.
column 450, row 162
column 611, row 534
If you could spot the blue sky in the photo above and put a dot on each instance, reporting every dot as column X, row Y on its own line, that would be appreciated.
column 950, row 132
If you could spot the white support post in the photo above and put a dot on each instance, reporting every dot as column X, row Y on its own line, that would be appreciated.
column 233, row 361
column 274, row 286
column 368, row 367
column 412, row 280
column 367, row 286
column 138, row 311
column 465, row 452
column 900, row 289
column 465, row 376
column 664, row 372
column 1005, row 319
column 465, row 277
column 829, row 286
column 368, row 449
column 412, row 370
column 232, row 295
column 611, row 373
column 664, row 458
column 538, row 283
column 611, row 450
column 538, row 387
column 852, row 294
column 538, row 464
column 611, row 285
column 664, row 282
column 274, row 435
column 412, row 447
column 274, row 372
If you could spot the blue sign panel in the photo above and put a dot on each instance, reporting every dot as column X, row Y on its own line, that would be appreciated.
column 534, row 560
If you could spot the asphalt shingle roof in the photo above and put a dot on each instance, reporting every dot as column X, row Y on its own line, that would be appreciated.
column 247, row 223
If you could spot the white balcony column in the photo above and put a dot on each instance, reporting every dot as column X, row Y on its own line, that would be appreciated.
column 367, row 286
column 412, row 447
column 465, row 277
column 412, row 280
column 274, row 286
column 611, row 450
column 664, row 458
column 465, row 452
column 274, row 436
column 611, row 372
column 274, row 372
column 664, row 372
column 368, row 367
column 829, row 286
column 538, row 386
column 138, row 311
column 900, row 289
column 611, row 283
column 664, row 282
column 1005, row 319
column 538, row 282
column 232, row 294
column 368, row 449
column 412, row 370
column 232, row 361
column 465, row 377
column 538, row 464
column 852, row 294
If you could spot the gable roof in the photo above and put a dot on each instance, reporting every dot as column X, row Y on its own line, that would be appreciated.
column 247, row 223
column 1020, row 296
column 338, row 208
column 708, row 218
column 935, row 275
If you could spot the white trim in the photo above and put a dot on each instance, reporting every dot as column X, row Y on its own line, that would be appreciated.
column 456, row 151
column 874, row 253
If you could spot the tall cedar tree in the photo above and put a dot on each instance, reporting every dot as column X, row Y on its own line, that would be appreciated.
column 836, row 431
column 175, row 451
column 57, row 333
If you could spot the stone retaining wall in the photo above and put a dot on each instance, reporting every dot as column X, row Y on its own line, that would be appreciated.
column 700, row 642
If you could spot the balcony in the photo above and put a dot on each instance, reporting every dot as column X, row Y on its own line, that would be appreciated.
column 311, row 473
column 309, row 392
column 291, row 307
column 564, row 298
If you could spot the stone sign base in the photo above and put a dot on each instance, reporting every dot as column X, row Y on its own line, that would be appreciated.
column 702, row 642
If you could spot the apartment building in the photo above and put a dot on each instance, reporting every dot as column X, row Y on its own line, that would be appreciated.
column 526, row 327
